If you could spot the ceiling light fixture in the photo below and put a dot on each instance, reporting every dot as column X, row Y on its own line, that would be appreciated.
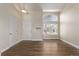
column 55, row 10
column 24, row 11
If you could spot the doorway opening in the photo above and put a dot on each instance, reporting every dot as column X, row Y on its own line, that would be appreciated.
column 50, row 25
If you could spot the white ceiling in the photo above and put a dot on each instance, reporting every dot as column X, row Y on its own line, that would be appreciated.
column 41, row 6
column 52, row 6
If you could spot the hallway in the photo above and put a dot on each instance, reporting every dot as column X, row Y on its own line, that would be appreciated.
column 42, row 48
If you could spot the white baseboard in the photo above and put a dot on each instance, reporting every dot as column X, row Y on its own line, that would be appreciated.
column 52, row 38
column 33, row 39
column 10, row 46
column 37, row 39
column 70, row 44
column 27, row 39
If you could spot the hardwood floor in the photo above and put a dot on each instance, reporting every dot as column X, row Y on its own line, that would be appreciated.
column 42, row 48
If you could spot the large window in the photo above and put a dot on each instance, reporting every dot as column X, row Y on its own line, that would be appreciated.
column 50, row 24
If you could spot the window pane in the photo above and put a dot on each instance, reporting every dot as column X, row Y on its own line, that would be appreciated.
column 50, row 28
column 50, row 18
column 50, row 24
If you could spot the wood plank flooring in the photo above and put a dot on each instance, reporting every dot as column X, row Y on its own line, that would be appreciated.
column 42, row 48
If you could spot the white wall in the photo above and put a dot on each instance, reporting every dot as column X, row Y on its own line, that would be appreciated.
column 37, row 34
column 7, row 13
column 30, row 22
column 27, row 24
column 69, row 20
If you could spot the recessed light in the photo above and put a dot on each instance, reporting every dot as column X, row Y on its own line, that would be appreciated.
column 24, row 11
